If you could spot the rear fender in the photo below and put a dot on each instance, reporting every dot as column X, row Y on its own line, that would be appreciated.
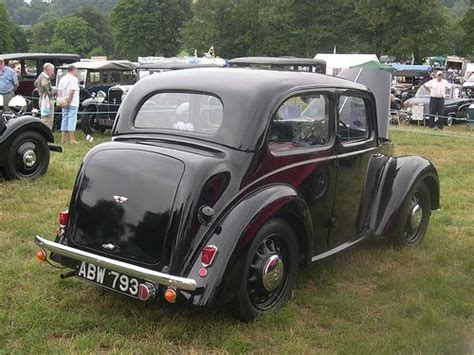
column 396, row 179
column 234, row 232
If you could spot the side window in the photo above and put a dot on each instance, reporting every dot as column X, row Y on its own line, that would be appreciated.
column 115, row 77
column 353, row 121
column 94, row 77
column 30, row 68
column 301, row 122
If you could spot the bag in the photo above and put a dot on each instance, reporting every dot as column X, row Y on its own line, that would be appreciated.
column 45, row 106
column 61, row 101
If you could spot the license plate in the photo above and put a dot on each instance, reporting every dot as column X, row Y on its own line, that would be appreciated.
column 110, row 279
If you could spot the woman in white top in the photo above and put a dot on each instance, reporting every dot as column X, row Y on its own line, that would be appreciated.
column 69, row 88
column 437, row 89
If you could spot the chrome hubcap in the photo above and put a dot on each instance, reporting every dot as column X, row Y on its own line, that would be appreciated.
column 416, row 216
column 29, row 158
column 273, row 272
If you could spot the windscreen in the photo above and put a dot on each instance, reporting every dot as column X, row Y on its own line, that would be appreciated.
column 177, row 111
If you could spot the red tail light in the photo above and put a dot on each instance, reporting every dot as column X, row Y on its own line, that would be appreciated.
column 208, row 254
column 63, row 217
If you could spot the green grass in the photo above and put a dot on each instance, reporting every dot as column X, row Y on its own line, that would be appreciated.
column 372, row 299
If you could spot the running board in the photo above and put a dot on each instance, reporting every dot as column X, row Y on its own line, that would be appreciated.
column 338, row 249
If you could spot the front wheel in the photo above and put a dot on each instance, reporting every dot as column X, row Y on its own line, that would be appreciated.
column 270, row 271
column 414, row 218
column 89, row 123
column 28, row 156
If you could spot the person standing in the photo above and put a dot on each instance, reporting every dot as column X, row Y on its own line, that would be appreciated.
column 8, row 84
column 45, row 91
column 69, row 88
column 437, row 89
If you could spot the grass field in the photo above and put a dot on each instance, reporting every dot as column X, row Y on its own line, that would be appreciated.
column 372, row 299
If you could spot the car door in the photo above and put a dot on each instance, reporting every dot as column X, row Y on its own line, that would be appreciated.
column 301, row 145
column 355, row 144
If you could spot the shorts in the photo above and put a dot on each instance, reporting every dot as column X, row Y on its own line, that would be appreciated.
column 69, row 120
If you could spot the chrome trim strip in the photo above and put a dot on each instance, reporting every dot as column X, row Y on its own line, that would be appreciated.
column 337, row 249
column 119, row 266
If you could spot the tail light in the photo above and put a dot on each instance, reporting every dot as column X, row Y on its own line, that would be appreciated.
column 170, row 295
column 208, row 254
column 41, row 255
column 63, row 217
column 146, row 291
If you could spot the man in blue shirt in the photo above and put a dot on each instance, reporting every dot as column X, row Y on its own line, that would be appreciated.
column 8, row 84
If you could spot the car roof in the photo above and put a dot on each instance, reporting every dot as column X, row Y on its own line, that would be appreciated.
column 244, row 61
column 248, row 96
column 176, row 66
column 103, row 65
column 10, row 56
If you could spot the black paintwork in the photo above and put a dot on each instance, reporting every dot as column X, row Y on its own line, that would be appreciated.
column 331, row 195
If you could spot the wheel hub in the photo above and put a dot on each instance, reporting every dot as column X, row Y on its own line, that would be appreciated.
column 416, row 216
column 273, row 272
column 29, row 158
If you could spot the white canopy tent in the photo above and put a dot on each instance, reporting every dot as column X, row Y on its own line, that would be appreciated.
column 337, row 62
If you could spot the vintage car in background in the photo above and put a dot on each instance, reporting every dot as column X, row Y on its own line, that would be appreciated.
column 25, row 143
column 231, row 179
column 96, row 78
column 469, row 86
column 100, row 111
column 407, row 79
column 280, row 63
column 456, row 103
column 29, row 65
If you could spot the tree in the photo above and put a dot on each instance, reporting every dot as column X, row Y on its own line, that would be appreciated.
column 149, row 27
column 20, row 39
column 6, row 38
column 72, row 35
column 100, row 31
column 42, row 35
column 465, row 41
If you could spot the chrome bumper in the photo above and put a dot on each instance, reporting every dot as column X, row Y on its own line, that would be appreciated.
column 115, row 265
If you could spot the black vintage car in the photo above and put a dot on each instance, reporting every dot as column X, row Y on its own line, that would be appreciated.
column 97, row 80
column 456, row 103
column 220, row 183
column 25, row 143
column 101, row 110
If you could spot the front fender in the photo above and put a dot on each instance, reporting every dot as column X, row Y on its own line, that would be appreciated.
column 16, row 125
column 90, row 102
column 234, row 232
column 397, row 179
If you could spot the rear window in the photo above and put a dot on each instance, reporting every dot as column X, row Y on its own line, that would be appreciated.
column 177, row 111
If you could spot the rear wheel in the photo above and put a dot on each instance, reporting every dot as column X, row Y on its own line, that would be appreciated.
column 270, row 271
column 414, row 218
column 28, row 156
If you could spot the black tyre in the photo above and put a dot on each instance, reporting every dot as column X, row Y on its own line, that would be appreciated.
column 28, row 156
column 89, row 123
column 414, row 218
column 270, row 271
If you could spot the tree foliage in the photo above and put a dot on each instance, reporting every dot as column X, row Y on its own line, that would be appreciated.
column 6, row 37
column 149, row 27
column 403, row 28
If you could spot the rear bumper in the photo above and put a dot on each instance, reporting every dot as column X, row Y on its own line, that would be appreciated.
column 119, row 266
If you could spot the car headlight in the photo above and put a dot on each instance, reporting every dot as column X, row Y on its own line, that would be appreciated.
column 18, row 104
column 100, row 96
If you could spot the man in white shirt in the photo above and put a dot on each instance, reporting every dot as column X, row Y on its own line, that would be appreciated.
column 69, row 87
column 437, row 89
